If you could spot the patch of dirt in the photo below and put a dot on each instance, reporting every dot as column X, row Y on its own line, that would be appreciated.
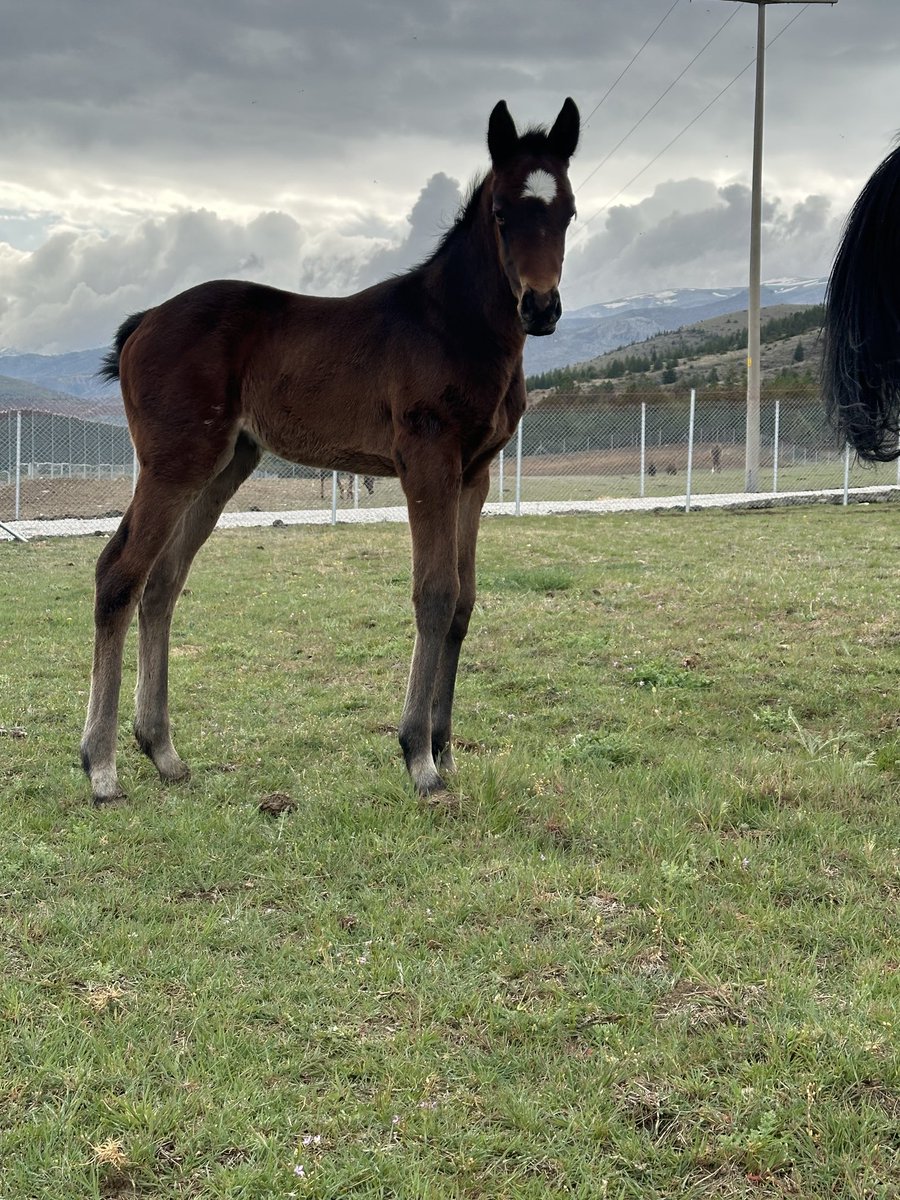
column 651, row 963
column 649, row 1108
column 167, row 1155
column 100, row 997
column 704, row 1006
column 607, row 905
column 215, row 893
column 877, row 1094
column 119, row 1188
column 443, row 802
column 276, row 804
column 231, row 1156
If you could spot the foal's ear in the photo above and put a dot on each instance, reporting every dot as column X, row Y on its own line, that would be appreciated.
column 563, row 137
column 503, row 137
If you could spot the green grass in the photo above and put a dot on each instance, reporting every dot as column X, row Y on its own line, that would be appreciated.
column 652, row 952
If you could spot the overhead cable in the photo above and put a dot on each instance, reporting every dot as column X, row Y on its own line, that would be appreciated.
column 658, row 100
column 634, row 59
column 583, row 225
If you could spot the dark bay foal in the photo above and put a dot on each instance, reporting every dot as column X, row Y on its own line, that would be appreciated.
column 419, row 377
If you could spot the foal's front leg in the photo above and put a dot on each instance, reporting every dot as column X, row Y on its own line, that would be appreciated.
column 432, row 487
column 471, row 502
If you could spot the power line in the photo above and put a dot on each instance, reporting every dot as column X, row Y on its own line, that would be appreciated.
column 634, row 59
column 658, row 100
column 669, row 145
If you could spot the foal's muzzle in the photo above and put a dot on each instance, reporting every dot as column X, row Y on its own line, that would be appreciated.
column 539, row 311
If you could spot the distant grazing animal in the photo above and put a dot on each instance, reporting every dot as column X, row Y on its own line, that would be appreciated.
column 345, row 483
column 861, row 363
column 418, row 377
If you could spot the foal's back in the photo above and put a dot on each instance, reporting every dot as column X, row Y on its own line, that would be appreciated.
column 313, row 379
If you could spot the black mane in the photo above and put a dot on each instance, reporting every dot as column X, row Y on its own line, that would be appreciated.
column 465, row 217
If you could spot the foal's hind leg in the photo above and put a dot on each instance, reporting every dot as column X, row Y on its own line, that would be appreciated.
column 471, row 502
column 163, row 587
column 122, row 571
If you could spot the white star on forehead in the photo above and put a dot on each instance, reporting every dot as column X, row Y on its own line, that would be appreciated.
column 540, row 185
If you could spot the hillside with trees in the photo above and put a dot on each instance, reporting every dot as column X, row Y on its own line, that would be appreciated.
column 709, row 356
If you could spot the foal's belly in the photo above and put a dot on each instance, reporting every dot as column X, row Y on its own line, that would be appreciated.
column 333, row 447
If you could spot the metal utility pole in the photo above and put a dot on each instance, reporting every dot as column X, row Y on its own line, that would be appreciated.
column 751, row 481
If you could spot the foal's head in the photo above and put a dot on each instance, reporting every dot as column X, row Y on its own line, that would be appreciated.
column 532, row 207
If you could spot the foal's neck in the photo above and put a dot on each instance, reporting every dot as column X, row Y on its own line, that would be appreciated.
column 465, row 276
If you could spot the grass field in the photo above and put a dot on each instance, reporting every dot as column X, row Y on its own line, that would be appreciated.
column 651, row 952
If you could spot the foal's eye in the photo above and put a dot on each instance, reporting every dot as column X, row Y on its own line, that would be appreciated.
column 500, row 217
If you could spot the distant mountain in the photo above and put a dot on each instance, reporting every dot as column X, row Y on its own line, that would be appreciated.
column 588, row 332
column 75, row 373
column 62, row 383
column 21, row 394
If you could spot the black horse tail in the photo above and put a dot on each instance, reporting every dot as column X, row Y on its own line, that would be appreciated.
column 109, row 366
column 861, row 365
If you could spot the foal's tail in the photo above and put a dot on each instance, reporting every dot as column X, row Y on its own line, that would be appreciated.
column 861, row 367
column 109, row 367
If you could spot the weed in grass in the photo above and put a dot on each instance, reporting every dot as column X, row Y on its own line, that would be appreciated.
column 547, row 579
column 592, row 747
column 814, row 745
column 887, row 757
column 656, row 674
column 772, row 718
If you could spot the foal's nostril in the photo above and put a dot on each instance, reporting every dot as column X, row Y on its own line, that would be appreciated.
column 540, row 311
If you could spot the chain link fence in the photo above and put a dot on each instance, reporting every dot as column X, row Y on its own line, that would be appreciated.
column 56, row 466
column 639, row 445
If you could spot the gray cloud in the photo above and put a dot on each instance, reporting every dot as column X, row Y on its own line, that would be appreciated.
column 145, row 148
column 700, row 244
column 433, row 212
column 74, row 291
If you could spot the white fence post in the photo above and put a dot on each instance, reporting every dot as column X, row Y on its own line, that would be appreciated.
column 134, row 468
column 334, row 490
column 18, row 463
column 775, row 447
column 847, row 473
column 500, row 474
column 690, row 451
column 519, row 468
column 643, row 443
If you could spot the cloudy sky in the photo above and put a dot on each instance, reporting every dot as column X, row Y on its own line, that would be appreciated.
column 145, row 147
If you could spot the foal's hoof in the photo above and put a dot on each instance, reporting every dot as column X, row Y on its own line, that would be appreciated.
column 437, row 796
column 109, row 800
column 172, row 768
column 179, row 773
